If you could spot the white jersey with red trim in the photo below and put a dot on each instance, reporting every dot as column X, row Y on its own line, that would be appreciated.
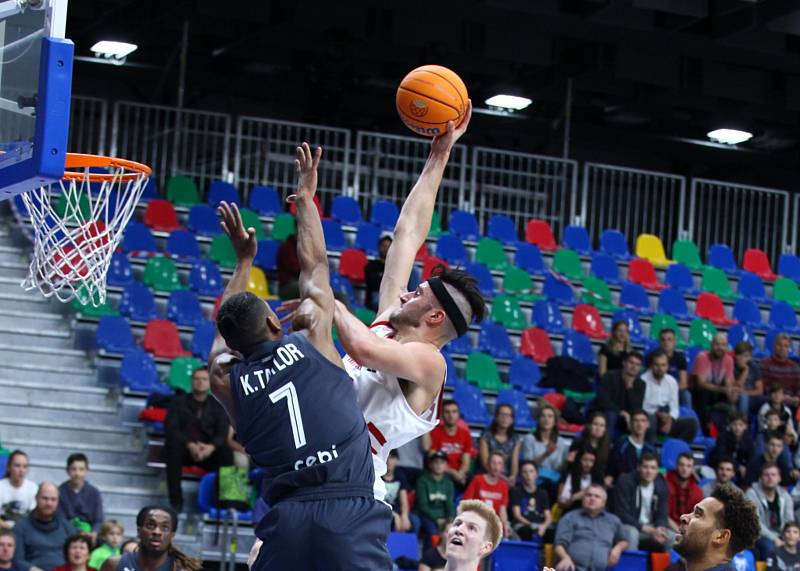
column 390, row 419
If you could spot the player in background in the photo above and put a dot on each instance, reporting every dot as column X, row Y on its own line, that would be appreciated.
column 294, row 408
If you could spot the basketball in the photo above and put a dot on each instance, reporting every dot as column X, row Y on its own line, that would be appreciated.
column 429, row 97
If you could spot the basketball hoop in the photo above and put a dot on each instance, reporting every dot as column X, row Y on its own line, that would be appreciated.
column 78, row 223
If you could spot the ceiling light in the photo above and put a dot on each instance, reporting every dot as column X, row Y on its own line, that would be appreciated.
column 729, row 136
column 509, row 102
column 113, row 50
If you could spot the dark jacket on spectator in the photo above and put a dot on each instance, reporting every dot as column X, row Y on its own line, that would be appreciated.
column 740, row 451
column 624, row 458
column 626, row 500
column 86, row 504
column 613, row 395
column 213, row 420
column 41, row 543
column 754, row 470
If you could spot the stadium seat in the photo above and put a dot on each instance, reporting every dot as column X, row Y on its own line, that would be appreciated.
column 114, row 334
column 756, row 261
column 635, row 296
column 183, row 244
column 368, row 237
column 529, row 258
column 516, row 555
column 613, row 242
column 283, row 226
column 184, row 308
column 579, row 347
column 265, row 200
column 464, row 225
column 346, row 210
column 525, row 374
column 430, row 264
column 160, row 216
column 182, row 191
column 423, row 253
column 558, row 290
column 741, row 332
column 138, row 371
column 436, row 225
column 519, row 402
column 547, row 316
column 604, row 267
column 81, row 211
column 222, row 252
column 518, row 283
column 219, row 190
column 651, row 248
column 490, row 253
column 670, row 450
column 789, row 266
column 293, row 207
column 493, row 339
column 162, row 340
column 502, row 229
column 680, row 277
column 267, row 255
column 709, row 306
column 671, row 301
column 577, row 238
column 81, row 304
column 597, row 292
column 257, row 283
column 203, row 220
column 452, row 377
column 687, row 253
column 402, row 545
column 366, row 315
column 342, row 285
column 539, row 233
column 715, row 281
column 413, row 279
column 137, row 302
column 535, row 343
column 701, row 332
column 180, row 373
column 567, row 263
column 721, row 256
column 632, row 560
column 451, row 248
column 663, row 321
column 751, row 287
column 783, row 318
column 586, row 319
column 506, row 310
column 250, row 219
column 634, row 327
column 482, row 371
column 785, row 289
column 203, row 339
column 460, row 345
column 205, row 279
column 120, row 272
column 150, row 190
column 352, row 263
column 384, row 214
column 484, row 276
column 470, row 401
column 161, row 274
column 138, row 240
column 642, row 272
column 746, row 311
column 334, row 235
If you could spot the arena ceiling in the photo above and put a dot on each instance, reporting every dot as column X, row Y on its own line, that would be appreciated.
column 649, row 77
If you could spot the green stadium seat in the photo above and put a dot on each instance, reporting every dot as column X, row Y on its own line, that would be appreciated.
column 222, row 252
column 518, row 282
column 716, row 281
column 182, row 191
column 662, row 321
column 79, row 213
column 436, row 226
column 482, row 371
column 598, row 294
column 365, row 315
column 80, row 304
column 785, row 289
column 251, row 219
column 490, row 253
column 567, row 263
column 506, row 310
column 701, row 332
column 687, row 253
column 180, row 372
column 161, row 274
column 283, row 226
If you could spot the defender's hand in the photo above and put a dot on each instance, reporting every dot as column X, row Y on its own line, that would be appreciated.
column 243, row 239
column 306, row 165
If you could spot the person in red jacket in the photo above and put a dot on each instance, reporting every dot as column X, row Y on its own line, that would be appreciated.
column 452, row 437
column 684, row 491
column 492, row 488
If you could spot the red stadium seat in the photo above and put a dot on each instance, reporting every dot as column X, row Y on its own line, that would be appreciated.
column 422, row 253
column 194, row 471
column 556, row 400
column 153, row 414
column 160, row 215
column 217, row 303
column 756, row 261
column 293, row 207
column 642, row 272
column 352, row 263
column 586, row 319
column 570, row 427
column 709, row 306
column 162, row 340
column 535, row 344
column 430, row 263
column 540, row 233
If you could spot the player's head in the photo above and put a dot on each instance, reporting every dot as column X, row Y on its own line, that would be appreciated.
column 244, row 320
column 442, row 307
column 156, row 526
column 475, row 533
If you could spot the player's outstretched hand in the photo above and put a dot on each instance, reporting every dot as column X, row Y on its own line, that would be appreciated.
column 243, row 239
column 306, row 164
column 444, row 142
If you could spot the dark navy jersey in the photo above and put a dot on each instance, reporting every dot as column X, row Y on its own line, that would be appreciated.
column 298, row 418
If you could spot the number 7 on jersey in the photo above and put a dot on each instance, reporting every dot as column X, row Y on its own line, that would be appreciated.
column 288, row 392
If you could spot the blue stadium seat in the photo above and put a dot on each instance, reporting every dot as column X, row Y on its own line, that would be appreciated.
column 402, row 545
column 516, row 555
column 183, row 244
column 557, row 290
column 265, row 201
column 680, row 277
column 120, row 272
column 524, row 374
column 184, row 308
column 219, row 191
column 519, row 402
column 451, row 249
column 267, row 255
column 346, row 210
column 579, row 347
column 721, row 256
column 343, row 285
column 464, row 225
column 577, row 238
column 149, row 192
column 207, row 500
column 452, row 378
column 334, row 235
column 547, row 316
column 470, row 401
column 671, row 301
column 529, row 258
column 634, row 327
column 138, row 372
column 632, row 560
column 699, row 439
column 752, row 287
column 384, row 214
column 789, row 266
column 740, row 332
column 460, row 345
column 138, row 303
column 205, row 278
column 138, row 239
column 502, row 229
column 746, row 311
column 635, row 296
column 203, row 339
column 413, row 279
column 114, row 334
column 367, row 238
column 493, row 339
column 484, row 277
column 691, row 354
column 203, row 220
column 783, row 318
column 604, row 267
column 769, row 343
column 613, row 242
column 670, row 450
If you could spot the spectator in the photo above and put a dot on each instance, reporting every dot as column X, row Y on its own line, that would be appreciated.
column 779, row 369
column 411, row 458
column 42, row 533
column 621, row 392
column 641, row 503
column 774, row 426
column 76, row 554
column 111, row 535
column 715, row 394
column 17, row 493
column 747, row 376
column 7, row 544
column 591, row 537
column 397, row 488
column 661, row 401
column 196, row 429
column 373, row 273
column 628, row 449
column 492, row 488
column 530, row 506
column 775, row 509
column 435, row 497
column 595, row 436
column 501, row 437
column 452, row 437
column 580, row 473
column 735, row 443
column 725, row 472
column 613, row 352
column 773, row 454
column 545, row 447
column 288, row 268
column 786, row 557
column 684, row 491
column 435, row 558
column 678, row 367
column 79, row 501
column 777, row 404
column 474, row 534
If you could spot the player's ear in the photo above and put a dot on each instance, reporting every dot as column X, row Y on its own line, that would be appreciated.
column 485, row 549
column 273, row 324
column 436, row 317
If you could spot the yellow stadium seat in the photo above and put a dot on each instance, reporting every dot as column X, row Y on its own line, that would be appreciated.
column 651, row 248
column 257, row 284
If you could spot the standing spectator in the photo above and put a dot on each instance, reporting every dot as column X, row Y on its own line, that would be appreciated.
column 196, row 429
column 747, row 376
column 684, row 491
column 397, row 488
column 492, row 488
column 613, row 352
column 452, row 437
column 288, row 268
column 735, row 443
column 715, row 394
column 17, row 493
column 530, row 506
column 775, row 509
column 42, row 533
column 501, row 437
column 79, row 501
column 595, row 436
column 111, row 536
column 641, row 503
column 76, row 554
column 725, row 472
column 773, row 454
column 629, row 449
column 545, row 447
column 373, row 273
column 678, row 367
column 621, row 392
column 786, row 557
column 591, row 537
column 7, row 545
column 435, row 497
column 661, row 401
column 580, row 473
column 779, row 369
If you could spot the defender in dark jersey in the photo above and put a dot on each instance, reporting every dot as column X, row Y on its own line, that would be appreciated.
column 294, row 408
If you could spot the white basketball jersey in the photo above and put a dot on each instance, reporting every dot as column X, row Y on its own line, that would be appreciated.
column 390, row 419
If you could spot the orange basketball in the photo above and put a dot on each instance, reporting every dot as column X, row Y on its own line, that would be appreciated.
column 429, row 97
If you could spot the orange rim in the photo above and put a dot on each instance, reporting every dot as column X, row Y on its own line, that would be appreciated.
column 132, row 170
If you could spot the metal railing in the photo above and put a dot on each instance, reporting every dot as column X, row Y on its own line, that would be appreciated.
column 88, row 125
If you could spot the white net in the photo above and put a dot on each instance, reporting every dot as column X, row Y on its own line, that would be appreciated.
column 77, row 224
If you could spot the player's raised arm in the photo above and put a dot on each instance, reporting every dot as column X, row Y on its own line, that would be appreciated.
column 414, row 222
